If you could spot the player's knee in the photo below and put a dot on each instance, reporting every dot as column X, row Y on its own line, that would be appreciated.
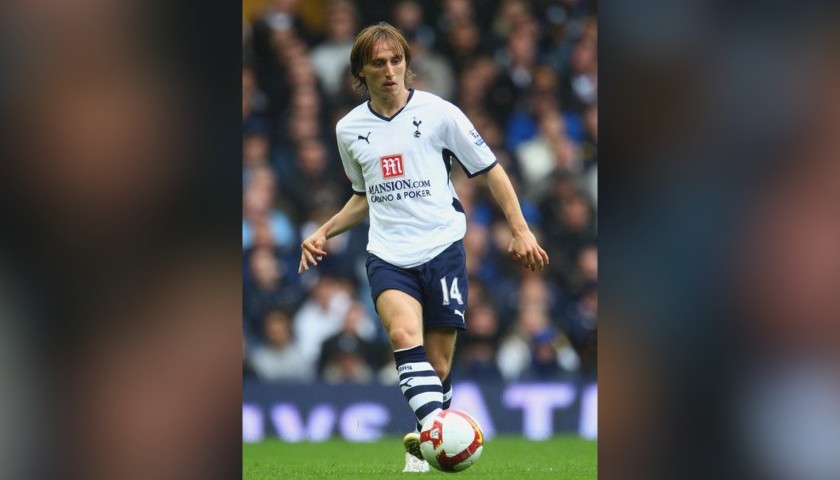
column 402, row 337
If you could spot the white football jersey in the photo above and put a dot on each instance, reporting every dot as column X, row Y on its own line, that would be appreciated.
column 402, row 164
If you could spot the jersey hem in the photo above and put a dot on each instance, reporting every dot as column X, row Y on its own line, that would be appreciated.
column 384, row 256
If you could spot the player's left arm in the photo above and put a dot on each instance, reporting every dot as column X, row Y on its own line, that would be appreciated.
column 524, row 247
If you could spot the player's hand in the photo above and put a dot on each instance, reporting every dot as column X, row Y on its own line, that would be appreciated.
column 312, row 250
column 525, row 250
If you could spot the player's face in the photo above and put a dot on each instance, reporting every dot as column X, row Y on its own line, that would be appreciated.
column 384, row 74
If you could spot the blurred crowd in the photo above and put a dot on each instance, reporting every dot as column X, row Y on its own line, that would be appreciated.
column 526, row 74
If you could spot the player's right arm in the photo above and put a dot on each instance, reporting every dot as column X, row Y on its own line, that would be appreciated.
column 352, row 214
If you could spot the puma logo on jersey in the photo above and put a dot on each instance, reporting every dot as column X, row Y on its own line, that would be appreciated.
column 458, row 312
column 365, row 138
column 417, row 127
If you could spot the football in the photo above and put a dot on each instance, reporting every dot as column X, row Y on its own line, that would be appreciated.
column 451, row 441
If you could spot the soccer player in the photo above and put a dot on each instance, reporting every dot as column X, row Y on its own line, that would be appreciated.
column 397, row 150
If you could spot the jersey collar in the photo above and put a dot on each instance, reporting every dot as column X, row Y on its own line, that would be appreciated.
column 388, row 119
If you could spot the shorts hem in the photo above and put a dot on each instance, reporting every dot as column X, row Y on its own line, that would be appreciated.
column 456, row 326
column 377, row 293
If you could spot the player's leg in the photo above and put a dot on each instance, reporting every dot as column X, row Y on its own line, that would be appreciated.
column 447, row 391
column 397, row 295
column 440, row 349
column 446, row 295
column 402, row 318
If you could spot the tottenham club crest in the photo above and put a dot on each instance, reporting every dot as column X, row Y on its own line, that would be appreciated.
column 417, row 127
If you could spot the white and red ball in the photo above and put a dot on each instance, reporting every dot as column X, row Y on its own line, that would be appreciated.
column 451, row 441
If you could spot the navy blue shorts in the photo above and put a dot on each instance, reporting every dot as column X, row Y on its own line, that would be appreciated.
column 440, row 285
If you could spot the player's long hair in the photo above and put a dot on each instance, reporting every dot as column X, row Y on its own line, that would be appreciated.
column 363, row 51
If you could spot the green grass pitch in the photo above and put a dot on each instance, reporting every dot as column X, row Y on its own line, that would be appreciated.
column 562, row 457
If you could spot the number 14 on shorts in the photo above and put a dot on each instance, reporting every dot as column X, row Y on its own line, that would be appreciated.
column 450, row 291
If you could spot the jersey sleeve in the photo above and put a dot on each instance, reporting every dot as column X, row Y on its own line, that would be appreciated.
column 351, row 166
column 465, row 143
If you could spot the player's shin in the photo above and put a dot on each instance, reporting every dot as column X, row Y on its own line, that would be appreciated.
column 419, row 382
